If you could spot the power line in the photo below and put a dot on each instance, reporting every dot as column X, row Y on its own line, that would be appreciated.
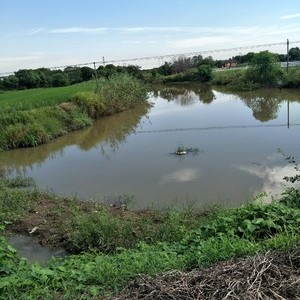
column 213, row 128
column 166, row 56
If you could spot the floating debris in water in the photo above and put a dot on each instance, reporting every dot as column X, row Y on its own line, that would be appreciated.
column 185, row 150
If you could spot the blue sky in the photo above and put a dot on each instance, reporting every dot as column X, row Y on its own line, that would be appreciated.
column 37, row 33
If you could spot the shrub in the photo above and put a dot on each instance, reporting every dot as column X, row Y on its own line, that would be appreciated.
column 264, row 69
column 91, row 103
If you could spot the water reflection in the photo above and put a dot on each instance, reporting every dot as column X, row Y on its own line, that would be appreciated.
column 264, row 103
column 183, row 175
column 109, row 132
column 130, row 153
column 264, row 108
column 185, row 95
column 272, row 177
column 30, row 248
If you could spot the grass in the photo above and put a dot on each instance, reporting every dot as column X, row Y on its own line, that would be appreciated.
column 12, row 101
column 236, row 79
column 118, row 245
column 40, row 118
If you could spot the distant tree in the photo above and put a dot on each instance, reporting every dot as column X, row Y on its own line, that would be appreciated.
column 59, row 79
column 209, row 61
column 281, row 57
column 247, row 57
column 87, row 73
column 44, row 75
column 108, row 70
column 74, row 74
column 165, row 69
column 182, row 64
column 197, row 60
column 10, row 82
column 134, row 71
column 28, row 79
column 294, row 53
column 264, row 68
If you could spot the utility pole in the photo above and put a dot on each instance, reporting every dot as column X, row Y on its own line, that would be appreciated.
column 287, row 55
column 103, row 61
column 96, row 76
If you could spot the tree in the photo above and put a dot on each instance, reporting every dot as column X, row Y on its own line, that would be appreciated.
column 165, row 69
column 247, row 57
column 28, row 79
column 264, row 68
column 11, row 82
column 87, row 73
column 74, row 74
column 59, row 79
column 294, row 53
column 134, row 71
column 204, row 73
column 182, row 64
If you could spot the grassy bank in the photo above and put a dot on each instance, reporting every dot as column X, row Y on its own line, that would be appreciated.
column 31, row 122
column 11, row 101
column 114, row 245
column 238, row 79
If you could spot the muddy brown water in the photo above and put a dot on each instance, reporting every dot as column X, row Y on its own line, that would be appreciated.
column 238, row 136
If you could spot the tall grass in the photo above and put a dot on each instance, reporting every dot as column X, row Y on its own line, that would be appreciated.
column 114, row 95
column 24, row 126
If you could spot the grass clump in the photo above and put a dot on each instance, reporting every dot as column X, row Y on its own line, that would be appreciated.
column 116, row 94
column 14, row 201
column 38, row 126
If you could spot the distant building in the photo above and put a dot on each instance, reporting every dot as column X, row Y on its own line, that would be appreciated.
column 229, row 64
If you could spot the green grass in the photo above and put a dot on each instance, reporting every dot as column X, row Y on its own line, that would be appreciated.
column 237, row 79
column 33, row 117
column 182, row 242
column 41, row 97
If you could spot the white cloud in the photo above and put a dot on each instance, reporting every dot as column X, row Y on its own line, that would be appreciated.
column 180, row 176
column 292, row 16
column 30, row 57
column 271, row 176
column 35, row 31
column 79, row 30
column 200, row 42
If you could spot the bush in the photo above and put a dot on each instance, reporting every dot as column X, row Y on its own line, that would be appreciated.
column 91, row 103
column 120, row 92
column 264, row 69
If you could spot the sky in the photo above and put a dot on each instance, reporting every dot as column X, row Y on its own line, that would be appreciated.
column 49, row 33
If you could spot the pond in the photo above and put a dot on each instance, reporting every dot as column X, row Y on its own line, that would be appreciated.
column 128, row 157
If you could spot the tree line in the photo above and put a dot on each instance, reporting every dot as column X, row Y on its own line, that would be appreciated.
column 196, row 68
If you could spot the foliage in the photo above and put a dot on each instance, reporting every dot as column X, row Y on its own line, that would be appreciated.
column 38, row 126
column 59, row 79
column 31, row 127
column 294, row 53
column 10, row 82
column 175, row 240
column 291, row 79
column 264, row 69
column 12, row 101
column 226, row 77
column 16, row 202
column 91, row 103
column 120, row 92
column 199, row 74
